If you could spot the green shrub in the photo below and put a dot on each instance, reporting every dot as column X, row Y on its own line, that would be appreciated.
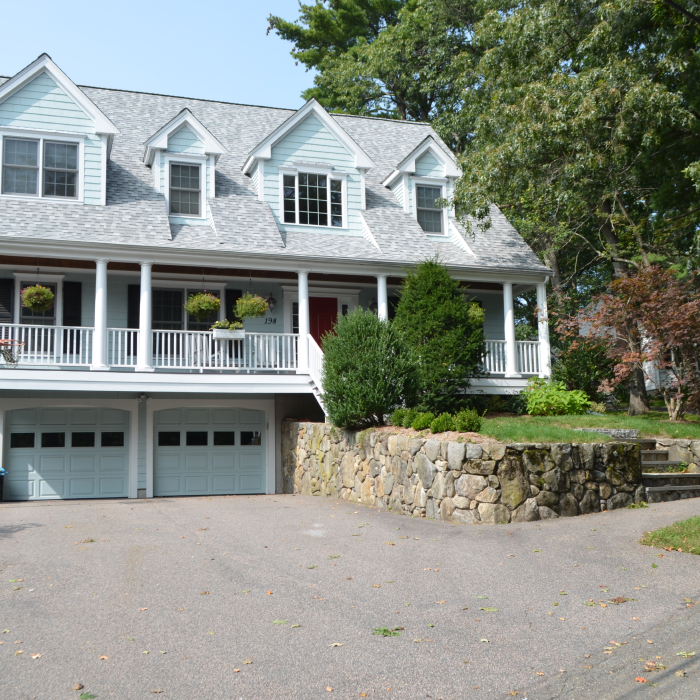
column 409, row 417
column 442, row 423
column 598, row 406
column 552, row 399
column 397, row 417
column 516, row 403
column 468, row 421
column 367, row 371
column 445, row 331
column 423, row 421
column 583, row 364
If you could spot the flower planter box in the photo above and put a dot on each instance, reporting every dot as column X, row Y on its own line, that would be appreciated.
column 226, row 334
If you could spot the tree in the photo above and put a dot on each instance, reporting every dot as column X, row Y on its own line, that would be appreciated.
column 650, row 323
column 583, row 364
column 445, row 332
column 367, row 371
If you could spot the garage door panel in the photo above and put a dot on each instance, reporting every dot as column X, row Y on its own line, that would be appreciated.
column 251, row 483
column 224, row 484
column 35, row 472
column 168, row 463
column 223, row 416
column 250, row 461
column 168, row 485
column 196, row 416
column 51, row 463
column 51, row 488
column 196, row 462
column 196, row 484
column 171, row 416
column 248, row 417
column 225, row 461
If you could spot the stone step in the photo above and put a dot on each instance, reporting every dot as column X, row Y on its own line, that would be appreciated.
column 654, row 453
column 670, row 475
column 660, row 463
column 658, row 489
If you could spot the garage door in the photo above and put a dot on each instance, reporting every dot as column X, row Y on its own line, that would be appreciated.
column 200, row 451
column 56, row 453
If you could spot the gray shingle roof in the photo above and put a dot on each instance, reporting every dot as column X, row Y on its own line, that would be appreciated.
column 135, row 214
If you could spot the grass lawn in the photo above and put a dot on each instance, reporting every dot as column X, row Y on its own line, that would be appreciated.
column 683, row 536
column 562, row 428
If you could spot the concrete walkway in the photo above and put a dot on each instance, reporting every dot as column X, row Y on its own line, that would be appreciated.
column 277, row 596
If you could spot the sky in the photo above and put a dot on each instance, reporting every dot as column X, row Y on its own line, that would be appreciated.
column 209, row 49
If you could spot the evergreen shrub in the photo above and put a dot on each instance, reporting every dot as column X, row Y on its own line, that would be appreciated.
column 442, row 423
column 468, row 421
column 397, row 417
column 367, row 371
column 423, row 420
column 409, row 417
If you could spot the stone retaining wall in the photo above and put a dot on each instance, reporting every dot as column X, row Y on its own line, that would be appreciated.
column 460, row 482
column 680, row 450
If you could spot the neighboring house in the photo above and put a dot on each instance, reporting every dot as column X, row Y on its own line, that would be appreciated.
column 124, row 203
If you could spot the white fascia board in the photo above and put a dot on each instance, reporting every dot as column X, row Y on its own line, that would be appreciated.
column 408, row 164
column 159, row 140
column 44, row 64
column 264, row 148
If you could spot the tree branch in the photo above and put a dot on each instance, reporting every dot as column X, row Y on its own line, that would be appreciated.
column 683, row 11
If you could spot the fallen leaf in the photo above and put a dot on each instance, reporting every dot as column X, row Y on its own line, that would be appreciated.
column 280, row 622
column 486, row 641
column 36, row 656
column 105, row 658
column 142, row 609
column 636, row 619
column 269, row 593
column 680, row 673
column 489, row 609
column 441, row 602
column 686, row 654
column 539, row 673
column 391, row 544
column 649, row 641
column 247, row 661
column 144, row 652
column 236, row 670
column 336, row 644
column 639, row 679
column 562, row 619
column 329, row 689
column 20, row 651
column 78, row 686
column 296, row 626
column 157, row 691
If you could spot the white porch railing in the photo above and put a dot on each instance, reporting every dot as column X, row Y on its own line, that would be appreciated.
column 528, row 356
column 315, row 363
column 199, row 350
column 122, row 344
column 49, row 345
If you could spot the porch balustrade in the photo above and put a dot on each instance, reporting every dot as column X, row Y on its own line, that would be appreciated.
column 528, row 357
column 47, row 345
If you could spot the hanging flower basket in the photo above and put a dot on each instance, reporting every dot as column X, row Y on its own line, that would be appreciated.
column 228, row 330
column 37, row 298
column 202, row 305
column 251, row 306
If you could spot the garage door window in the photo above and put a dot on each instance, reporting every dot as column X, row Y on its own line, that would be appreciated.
column 224, row 439
column 82, row 440
column 20, row 441
column 197, row 439
column 169, row 439
column 251, row 437
column 112, row 440
column 53, row 439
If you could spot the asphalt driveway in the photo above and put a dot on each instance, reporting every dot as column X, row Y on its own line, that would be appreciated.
column 277, row 597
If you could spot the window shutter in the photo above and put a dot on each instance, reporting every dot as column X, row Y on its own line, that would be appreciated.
column 133, row 305
column 7, row 288
column 72, row 303
column 232, row 296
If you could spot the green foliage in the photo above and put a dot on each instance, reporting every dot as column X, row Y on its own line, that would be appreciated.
column 422, row 421
column 552, row 399
column 516, row 403
column 683, row 535
column 250, row 306
column 398, row 416
column 367, row 371
column 598, row 406
column 228, row 325
column 387, row 631
column 37, row 298
column 409, row 417
column 445, row 332
column 442, row 423
column 468, row 421
column 202, row 305
column 583, row 364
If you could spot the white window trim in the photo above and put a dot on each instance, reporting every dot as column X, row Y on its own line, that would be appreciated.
column 313, row 169
column 440, row 182
column 41, row 137
column 26, row 276
column 184, row 285
column 187, row 159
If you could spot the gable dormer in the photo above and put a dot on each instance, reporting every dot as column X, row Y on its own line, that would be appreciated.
column 312, row 173
column 54, row 141
column 183, row 156
column 423, row 177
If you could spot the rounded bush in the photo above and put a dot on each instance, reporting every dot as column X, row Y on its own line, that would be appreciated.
column 442, row 423
column 397, row 417
column 552, row 399
column 409, row 417
column 423, row 421
column 468, row 421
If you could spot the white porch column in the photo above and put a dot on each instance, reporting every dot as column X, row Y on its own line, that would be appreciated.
column 509, row 319
column 382, row 302
column 543, row 331
column 144, row 352
column 99, row 338
column 304, row 326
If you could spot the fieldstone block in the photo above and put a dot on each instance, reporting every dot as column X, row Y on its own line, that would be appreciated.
column 465, row 517
column 556, row 480
column 496, row 450
column 426, row 470
column 375, row 468
column 561, row 455
column 461, row 502
column 469, row 485
column 438, row 489
column 388, row 484
column 432, row 449
column 568, row 508
column 488, row 495
column 455, row 455
column 527, row 512
column 446, row 509
column 547, row 513
column 605, row 490
column 590, row 503
column 414, row 445
column 480, row 466
column 537, row 461
column 547, row 498
column 430, row 510
column 493, row 513
column 473, row 451
column 619, row 500
column 513, row 483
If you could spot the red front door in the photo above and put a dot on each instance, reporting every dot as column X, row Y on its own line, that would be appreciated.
column 323, row 313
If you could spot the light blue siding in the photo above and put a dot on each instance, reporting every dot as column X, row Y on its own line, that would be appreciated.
column 254, row 178
column 184, row 140
column 312, row 142
column 43, row 105
column 493, row 313
column 397, row 188
column 428, row 166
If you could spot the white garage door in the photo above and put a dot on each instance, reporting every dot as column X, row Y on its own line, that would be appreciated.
column 54, row 453
column 202, row 451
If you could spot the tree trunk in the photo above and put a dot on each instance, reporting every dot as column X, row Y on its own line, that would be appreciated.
column 619, row 267
column 550, row 259
column 639, row 401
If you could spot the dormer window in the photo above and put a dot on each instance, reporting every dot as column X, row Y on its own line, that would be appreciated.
column 313, row 199
column 428, row 214
column 185, row 189
column 23, row 159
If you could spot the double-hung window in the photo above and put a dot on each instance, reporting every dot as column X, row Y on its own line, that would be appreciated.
column 312, row 199
column 428, row 214
column 23, row 159
column 185, row 189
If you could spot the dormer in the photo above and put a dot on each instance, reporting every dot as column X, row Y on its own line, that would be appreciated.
column 183, row 156
column 54, row 141
column 423, row 177
column 312, row 173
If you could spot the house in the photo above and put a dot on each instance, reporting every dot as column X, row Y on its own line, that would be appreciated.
column 124, row 203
